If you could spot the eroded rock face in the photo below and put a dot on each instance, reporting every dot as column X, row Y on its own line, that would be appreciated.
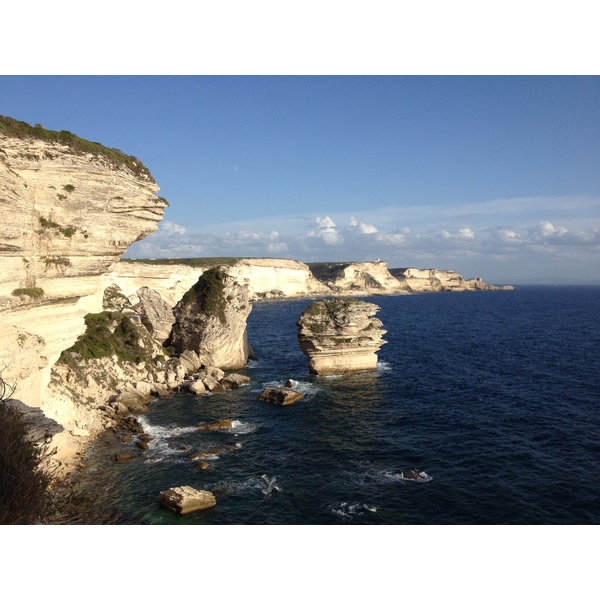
column 67, row 215
column 340, row 336
column 359, row 278
column 210, row 319
column 436, row 280
column 156, row 314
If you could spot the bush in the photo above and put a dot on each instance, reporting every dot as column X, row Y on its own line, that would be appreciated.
column 24, row 484
column 99, row 340
column 33, row 292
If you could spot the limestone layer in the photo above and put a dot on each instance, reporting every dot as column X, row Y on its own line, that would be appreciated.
column 436, row 280
column 340, row 336
column 66, row 217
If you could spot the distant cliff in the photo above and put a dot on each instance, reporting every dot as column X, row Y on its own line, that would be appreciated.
column 434, row 280
column 271, row 278
column 69, row 208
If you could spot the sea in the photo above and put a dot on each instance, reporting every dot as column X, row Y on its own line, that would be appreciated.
column 492, row 398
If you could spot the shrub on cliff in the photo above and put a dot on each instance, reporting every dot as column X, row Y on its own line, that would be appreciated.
column 108, row 334
column 207, row 294
column 24, row 496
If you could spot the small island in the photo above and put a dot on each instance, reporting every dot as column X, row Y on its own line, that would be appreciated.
column 340, row 336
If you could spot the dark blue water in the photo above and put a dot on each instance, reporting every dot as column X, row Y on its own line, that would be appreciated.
column 496, row 396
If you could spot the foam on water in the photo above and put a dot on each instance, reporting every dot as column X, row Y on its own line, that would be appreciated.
column 348, row 510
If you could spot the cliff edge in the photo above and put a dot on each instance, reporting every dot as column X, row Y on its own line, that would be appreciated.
column 69, row 208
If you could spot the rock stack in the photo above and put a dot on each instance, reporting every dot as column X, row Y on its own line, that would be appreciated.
column 340, row 336
column 210, row 319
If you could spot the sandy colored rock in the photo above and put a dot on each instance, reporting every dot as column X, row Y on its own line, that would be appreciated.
column 280, row 395
column 186, row 499
column 340, row 336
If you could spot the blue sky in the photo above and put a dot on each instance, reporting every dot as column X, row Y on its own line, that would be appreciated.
column 492, row 176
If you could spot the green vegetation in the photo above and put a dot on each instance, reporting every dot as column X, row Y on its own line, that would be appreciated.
column 200, row 263
column 207, row 294
column 57, row 261
column 101, row 340
column 24, row 483
column 69, row 188
column 69, row 231
column 329, row 308
column 19, row 129
column 32, row 292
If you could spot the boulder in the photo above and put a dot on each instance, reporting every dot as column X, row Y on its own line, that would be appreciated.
column 340, row 336
column 197, row 387
column 235, row 380
column 280, row 395
column 190, row 361
column 186, row 499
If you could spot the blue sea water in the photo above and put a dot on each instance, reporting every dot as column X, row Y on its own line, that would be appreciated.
column 494, row 395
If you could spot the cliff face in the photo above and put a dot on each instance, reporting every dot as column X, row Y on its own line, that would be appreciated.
column 359, row 278
column 434, row 280
column 67, row 216
column 277, row 278
column 265, row 278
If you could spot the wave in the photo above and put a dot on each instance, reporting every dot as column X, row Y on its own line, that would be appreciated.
column 349, row 510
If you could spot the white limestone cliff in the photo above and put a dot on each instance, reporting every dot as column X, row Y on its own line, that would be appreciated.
column 359, row 278
column 435, row 280
column 67, row 216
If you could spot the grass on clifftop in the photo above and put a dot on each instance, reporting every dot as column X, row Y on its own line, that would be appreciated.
column 200, row 263
column 19, row 129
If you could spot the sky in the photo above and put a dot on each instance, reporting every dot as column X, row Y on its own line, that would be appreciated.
column 495, row 177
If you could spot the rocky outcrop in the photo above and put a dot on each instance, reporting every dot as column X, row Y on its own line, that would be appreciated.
column 156, row 315
column 280, row 395
column 185, row 499
column 69, row 208
column 210, row 319
column 340, row 336
column 358, row 278
column 435, row 280
column 273, row 278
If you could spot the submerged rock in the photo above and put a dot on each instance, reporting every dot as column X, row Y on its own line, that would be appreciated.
column 222, row 424
column 186, row 499
column 340, row 336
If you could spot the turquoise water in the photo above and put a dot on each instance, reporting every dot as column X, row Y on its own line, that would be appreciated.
column 494, row 395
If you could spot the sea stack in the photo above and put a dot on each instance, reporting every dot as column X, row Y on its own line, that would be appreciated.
column 210, row 319
column 340, row 336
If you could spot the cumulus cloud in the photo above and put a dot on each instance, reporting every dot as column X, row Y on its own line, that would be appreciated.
column 326, row 230
column 513, row 242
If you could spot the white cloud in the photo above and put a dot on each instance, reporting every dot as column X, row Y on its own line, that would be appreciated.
column 512, row 241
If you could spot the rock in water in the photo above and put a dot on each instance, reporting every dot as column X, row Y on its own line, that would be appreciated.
column 280, row 395
column 186, row 499
column 210, row 319
column 340, row 336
